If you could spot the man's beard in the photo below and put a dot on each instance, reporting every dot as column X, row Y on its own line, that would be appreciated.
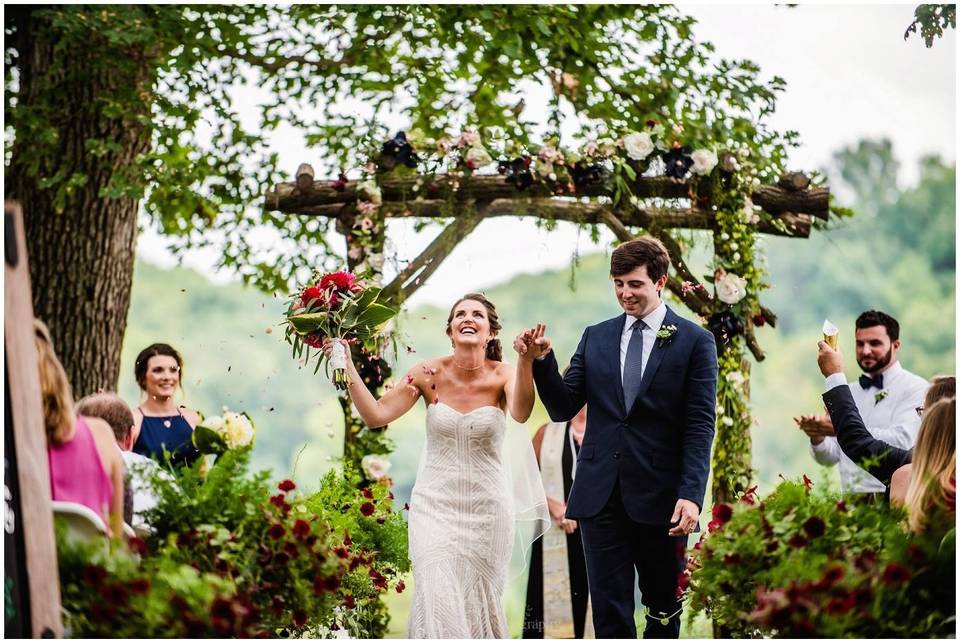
column 879, row 364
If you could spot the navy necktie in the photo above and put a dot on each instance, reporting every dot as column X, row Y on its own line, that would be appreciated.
column 876, row 381
column 633, row 364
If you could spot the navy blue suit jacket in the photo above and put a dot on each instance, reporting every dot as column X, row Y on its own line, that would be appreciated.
column 658, row 449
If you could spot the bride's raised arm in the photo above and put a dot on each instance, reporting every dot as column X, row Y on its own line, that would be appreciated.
column 519, row 386
column 393, row 404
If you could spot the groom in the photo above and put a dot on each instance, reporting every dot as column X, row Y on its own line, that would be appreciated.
column 650, row 379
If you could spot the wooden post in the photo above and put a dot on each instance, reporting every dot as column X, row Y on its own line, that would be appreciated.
column 28, row 479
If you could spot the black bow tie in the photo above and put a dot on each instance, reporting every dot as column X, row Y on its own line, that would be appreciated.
column 866, row 381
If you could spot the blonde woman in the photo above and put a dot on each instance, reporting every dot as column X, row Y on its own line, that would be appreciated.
column 927, row 486
column 84, row 463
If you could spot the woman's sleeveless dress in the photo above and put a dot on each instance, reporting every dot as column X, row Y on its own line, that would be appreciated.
column 461, row 527
column 166, row 433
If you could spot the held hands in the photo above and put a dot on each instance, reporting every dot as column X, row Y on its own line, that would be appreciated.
column 327, row 348
column 532, row 343
column 558, row 515
column 829, row 359
column 685, row 515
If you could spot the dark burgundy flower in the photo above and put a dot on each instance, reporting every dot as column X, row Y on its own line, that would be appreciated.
column 797, row 541
column 398, row 151
column 772, row 546
column 341, row 182
column 832, row 575
column 724, row 326
column 287, row 485
column 355, row 562
column 139, row 586
column 93, row 574
column 276, row 531
column 301, row 528
column 866, row 560
column 677, row 162
column 722, row 512
column 896, row 573
column 310, row 540
column 381, row 520
column 347, row 540
column 758, row 319
column 282, row 557
column 278, row 500
column 367, row 493
column 839, row 606
column 137, row 545
column 841, row 506
column 367, row 509
column 651, row 123
column 349, row 602
column 807, row 482
column 814, row 527
column 341, row 552
column 731, row 559
column 916, row 553
column 585, row 174
column 406, row 506
column 377, row 578
column 401, row 587
column 713, row 525
column 299, row 618
column 291, row 549
column 332, row 583
column 517, row 172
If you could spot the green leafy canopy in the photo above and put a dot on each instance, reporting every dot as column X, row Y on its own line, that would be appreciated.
column 440, row 68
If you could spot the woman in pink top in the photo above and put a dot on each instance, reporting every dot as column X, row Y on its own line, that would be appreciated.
column 85, row 464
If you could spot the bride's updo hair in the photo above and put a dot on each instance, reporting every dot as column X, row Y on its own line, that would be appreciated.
column 494, row 350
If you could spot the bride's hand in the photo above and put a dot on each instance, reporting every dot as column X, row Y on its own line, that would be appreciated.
column 327, row 348
column 521, row 344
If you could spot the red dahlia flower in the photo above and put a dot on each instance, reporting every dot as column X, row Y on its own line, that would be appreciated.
column 287, row 485
column 814, row 527
column 896, row 573
column 401, row 587
column 722, row 512
column 301, row 528
column 341, row 281
column 276, row 531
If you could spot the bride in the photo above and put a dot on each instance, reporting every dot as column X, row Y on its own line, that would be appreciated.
column 465, row 501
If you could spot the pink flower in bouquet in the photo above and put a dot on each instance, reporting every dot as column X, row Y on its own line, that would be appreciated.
column 311, row 293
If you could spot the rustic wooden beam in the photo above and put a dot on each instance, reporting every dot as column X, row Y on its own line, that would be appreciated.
column 791, row 225
column 313, row 197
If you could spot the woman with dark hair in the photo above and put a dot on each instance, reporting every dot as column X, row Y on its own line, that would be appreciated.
column 469, row 497
column 160, row 426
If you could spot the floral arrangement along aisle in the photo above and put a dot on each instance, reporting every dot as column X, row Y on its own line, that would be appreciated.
column 805, row 563
column 234, row 555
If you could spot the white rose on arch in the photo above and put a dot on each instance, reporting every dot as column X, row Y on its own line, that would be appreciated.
column 731, row 288
column 375, row 467
column 704, row 160
column 478, row 156
column 638, row 145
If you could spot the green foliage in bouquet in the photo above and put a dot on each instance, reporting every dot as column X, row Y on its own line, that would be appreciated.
column 805, row 563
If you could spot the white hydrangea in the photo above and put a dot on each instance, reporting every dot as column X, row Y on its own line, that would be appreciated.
column 375, row 467
column 731, row 288
column 704, row 160
column 638, row 145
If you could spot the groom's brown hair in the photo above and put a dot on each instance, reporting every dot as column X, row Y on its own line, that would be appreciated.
column 646, row 251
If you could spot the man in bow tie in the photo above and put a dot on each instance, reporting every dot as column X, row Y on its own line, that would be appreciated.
column 887, row 396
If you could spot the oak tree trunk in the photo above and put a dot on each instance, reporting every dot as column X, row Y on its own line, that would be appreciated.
column 81, row 244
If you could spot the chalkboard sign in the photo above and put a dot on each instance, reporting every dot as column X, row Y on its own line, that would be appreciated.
column 16, row 606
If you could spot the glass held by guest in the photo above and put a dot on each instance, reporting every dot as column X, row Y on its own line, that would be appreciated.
column 84, row 464
column 160, row 425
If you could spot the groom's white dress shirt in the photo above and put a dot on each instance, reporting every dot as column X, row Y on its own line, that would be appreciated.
column 893, row 419
column 653, row 320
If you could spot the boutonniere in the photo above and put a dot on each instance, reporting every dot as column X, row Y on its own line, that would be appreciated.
column 665, row 334
column 880, row 395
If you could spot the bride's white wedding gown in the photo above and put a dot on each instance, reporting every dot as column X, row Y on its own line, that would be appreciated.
column 461, row 527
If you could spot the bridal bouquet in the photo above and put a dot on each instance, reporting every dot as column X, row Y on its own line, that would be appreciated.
column 336, row 306
column 218, row 434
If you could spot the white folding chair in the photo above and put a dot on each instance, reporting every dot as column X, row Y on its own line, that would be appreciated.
column 82, row 522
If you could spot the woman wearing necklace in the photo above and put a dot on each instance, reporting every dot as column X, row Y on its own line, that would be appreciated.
column 471, row 495
column 558, row 603
column 159, row 424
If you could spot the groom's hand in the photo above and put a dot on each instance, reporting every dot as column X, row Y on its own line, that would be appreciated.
column 685, row 515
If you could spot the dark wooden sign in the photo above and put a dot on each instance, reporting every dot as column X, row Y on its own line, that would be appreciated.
column 31, row 580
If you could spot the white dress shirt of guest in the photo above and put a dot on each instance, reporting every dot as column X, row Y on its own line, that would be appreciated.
column 889, row 412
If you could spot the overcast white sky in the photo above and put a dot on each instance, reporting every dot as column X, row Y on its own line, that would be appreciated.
column 849, row 75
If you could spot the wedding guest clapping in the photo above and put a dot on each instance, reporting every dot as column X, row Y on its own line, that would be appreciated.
column 84, row 464
column 886, row 396
column 160, row 425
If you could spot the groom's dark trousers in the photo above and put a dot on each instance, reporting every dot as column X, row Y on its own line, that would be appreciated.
column 635, row 463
